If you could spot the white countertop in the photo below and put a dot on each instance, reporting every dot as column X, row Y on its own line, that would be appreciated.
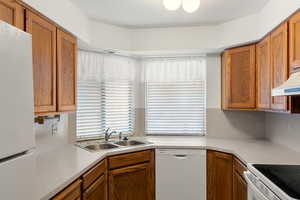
column 59, row 168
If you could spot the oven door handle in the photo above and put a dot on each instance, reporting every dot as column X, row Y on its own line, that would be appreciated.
column 257, row 192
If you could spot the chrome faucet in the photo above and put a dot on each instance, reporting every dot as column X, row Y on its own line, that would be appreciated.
column 108, row 134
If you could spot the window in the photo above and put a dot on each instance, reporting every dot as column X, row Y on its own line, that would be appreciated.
column 175, row 92
column 88, row 118
column 105, row 95
column 117, row 106
column 102, row 106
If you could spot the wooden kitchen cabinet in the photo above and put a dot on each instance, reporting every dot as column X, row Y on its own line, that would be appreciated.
column 98, row 190
column 54, row 66
column 294, row 41
column 279, row 65
column 239, row 78
column 263, row 74
column 219, row 176
column 44, row 62
column 239, row 183
column 132, row 180
column 66, row 71
column 72, row 192
column 12, row 13
column 95, row 182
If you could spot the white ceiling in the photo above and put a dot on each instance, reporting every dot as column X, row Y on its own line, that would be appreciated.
column 151, row 13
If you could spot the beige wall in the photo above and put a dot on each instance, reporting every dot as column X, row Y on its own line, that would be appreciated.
column 46, row 141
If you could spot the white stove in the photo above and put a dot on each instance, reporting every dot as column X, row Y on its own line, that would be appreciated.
column 273, row 182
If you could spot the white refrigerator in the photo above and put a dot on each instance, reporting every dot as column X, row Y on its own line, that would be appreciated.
column 17, row 140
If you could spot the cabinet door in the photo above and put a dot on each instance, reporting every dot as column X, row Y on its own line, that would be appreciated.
column 12, row 13
column 294, row 30
column 66, row 71
column 263, row 74
column 72, row 192
column 239, row 183
column 44, row 62
column 279, row 64
column 135, row 183
column 219, row 176
column 240, row 86
column 239, row 187
column 98, row 190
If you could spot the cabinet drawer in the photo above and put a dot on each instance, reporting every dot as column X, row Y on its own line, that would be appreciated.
column 98, row 190
column 129, row 159
column 94, row 173
column 72, row 192
column 239, row 167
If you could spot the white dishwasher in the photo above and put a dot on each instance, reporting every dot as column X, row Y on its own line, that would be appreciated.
column 180, row 174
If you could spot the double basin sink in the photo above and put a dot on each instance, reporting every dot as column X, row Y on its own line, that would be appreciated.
column 97, row 146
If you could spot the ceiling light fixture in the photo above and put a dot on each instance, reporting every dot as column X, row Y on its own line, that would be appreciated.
column 172, row 4
column 190, row 6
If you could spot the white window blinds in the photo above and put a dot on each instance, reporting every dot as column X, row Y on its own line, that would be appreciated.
column 88, row 118
column 117, row 106
column 175, row 91
column 105, row 94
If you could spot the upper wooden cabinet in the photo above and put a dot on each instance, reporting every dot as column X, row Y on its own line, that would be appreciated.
column 294, row 40
column 263, row 74
column 219, row 176
column 72, row 192
column 54, row 66
column 239, row 86
column 12, row 13
column 276, row 56
column 66, row 71
column 44, row 62
column 279, row 64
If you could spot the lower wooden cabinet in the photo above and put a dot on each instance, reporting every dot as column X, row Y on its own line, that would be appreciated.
column 239, row 183
column 225, row 177
column 72, row 192
column 122, row 177
column 134, row 182
column 95, row 182
column 98, row 190
column 219, row 176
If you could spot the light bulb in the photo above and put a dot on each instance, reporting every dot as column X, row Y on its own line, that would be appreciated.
column 190, row 5
column 172, row 4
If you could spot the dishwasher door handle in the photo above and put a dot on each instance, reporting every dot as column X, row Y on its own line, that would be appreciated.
column 180, row 156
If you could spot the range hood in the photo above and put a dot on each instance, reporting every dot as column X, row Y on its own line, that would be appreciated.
column 289, row 88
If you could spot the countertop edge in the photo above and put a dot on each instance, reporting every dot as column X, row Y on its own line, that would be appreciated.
column 130, row 150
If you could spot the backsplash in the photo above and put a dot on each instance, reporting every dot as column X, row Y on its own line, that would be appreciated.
column 283, row 129
column 235, row 124
column 46, row 140
column 220, row 124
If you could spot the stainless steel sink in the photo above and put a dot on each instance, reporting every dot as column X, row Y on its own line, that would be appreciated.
column 129, row 143
column 94, row 146
column 100, row 146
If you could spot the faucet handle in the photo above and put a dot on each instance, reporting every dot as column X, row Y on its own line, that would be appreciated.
column 107, row 130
